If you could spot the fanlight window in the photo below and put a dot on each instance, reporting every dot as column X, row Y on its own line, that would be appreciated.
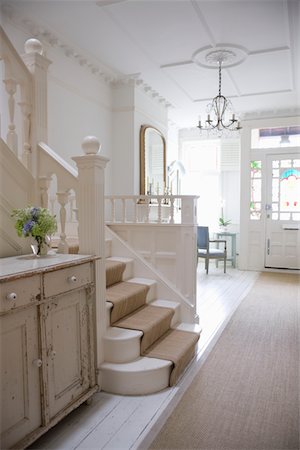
column 275, row 137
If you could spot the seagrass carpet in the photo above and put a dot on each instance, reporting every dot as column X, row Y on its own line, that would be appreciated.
column 246, row 393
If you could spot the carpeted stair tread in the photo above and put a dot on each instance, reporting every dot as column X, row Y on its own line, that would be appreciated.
column 176, row 346
column 114, row 271
column 126, row 297
column 153, row 321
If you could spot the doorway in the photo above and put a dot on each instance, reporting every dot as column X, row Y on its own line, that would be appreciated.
column 282, row 226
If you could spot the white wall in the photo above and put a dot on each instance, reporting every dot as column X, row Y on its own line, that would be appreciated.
column 81, row 104
column 132, row 108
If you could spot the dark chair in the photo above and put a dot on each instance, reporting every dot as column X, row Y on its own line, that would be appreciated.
column 205, row 251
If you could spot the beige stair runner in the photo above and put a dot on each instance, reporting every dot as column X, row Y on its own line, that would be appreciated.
column 131, row 311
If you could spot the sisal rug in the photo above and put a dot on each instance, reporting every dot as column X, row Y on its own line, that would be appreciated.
column 126, row 297
column 177, row 346
column 114, row 271
column 246, row 394
column 151, row 320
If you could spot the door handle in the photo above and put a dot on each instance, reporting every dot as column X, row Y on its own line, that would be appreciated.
column 268, row 246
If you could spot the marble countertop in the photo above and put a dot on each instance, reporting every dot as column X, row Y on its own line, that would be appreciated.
column 25, row 265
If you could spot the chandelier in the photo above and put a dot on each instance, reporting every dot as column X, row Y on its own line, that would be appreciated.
column 220, row 115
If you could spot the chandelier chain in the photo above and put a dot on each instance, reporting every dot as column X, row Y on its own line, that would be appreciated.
column 220, row 77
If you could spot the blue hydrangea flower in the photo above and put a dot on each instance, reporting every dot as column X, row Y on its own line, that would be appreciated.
column 35, row 213
column 28, row 226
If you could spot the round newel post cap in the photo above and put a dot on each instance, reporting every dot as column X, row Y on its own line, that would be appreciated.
column 33, row 46
column 90, row 145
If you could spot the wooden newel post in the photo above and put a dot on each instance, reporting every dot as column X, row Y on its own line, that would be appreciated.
column 37, row 65
column 90, row 203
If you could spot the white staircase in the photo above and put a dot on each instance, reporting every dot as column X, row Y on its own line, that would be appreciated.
column 124, row 371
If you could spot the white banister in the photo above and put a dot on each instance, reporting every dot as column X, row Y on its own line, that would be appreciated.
column 62, row 198
column 90, row 202
column 164, row 209
column 44, row 184
column 12, row 138
column 26, row 153
column 37, row 65
column 16, row 75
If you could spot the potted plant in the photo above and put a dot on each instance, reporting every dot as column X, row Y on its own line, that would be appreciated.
column 38, row 223
column 224, row 223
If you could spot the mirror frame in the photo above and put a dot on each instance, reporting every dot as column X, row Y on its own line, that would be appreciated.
column 143, row 130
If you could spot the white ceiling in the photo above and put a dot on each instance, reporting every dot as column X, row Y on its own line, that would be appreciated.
column 157, row 39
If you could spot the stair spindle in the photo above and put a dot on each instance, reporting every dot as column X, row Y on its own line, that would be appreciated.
column 62, row 198
column 12, row 138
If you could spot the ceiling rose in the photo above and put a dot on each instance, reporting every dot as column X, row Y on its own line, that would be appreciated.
column 229, row 55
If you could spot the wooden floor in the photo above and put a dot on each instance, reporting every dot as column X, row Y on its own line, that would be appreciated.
column 119, row 422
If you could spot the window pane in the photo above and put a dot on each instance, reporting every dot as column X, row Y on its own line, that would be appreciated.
column 274, row 216
column 255, row 215
column 275, row 164
column 255, row 190
column 285, row 216
column 275, row 173
column 274, row 206
column 296, row 216
column 285, row 163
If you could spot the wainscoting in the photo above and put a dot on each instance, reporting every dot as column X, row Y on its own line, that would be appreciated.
column 117, row 422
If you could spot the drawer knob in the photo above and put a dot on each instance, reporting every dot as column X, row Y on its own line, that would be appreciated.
column 72, row 279
column 11, row 296
column 37, row 362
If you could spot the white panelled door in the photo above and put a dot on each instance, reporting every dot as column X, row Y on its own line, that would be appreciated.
column 283, row 211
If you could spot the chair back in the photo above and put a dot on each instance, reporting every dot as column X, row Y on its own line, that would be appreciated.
column 202, row 237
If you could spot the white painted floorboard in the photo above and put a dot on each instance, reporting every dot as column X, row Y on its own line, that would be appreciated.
column 120, row 422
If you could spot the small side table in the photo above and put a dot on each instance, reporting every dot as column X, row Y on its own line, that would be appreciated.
column 232, row 236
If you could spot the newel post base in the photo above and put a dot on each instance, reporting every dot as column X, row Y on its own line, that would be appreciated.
column 90, row 203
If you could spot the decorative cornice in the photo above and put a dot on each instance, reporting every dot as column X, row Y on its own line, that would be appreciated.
column 94, row 66
column 48, row 38
column 135, row 80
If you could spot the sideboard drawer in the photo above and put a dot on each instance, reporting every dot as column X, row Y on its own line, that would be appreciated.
column 64, row 280
column 20, row 292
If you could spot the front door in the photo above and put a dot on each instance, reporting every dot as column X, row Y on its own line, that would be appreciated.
column 283, row 211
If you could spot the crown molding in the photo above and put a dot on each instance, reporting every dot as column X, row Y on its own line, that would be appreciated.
column 136, row 81
column 51, row 40
column 94, row 66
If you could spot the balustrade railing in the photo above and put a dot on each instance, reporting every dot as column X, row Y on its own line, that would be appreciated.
column 17, row 111
column 24, row 93
column 161, row 209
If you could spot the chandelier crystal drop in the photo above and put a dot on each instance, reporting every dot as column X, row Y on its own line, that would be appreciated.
column 218, row 111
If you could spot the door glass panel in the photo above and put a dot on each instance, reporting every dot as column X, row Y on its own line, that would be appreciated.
column 285, row 216
column 255, row 190
column 274, row 216
column 290, row 191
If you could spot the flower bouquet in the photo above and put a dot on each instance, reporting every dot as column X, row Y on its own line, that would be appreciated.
column 35, row 222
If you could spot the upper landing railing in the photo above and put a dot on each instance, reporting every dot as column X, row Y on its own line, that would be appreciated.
column 151, row 209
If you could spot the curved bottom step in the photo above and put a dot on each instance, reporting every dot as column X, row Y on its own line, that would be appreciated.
column 139, row 377
column 121, row 345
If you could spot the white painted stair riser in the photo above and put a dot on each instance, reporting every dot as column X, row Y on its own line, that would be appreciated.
column 140, row 377
column 121, row 345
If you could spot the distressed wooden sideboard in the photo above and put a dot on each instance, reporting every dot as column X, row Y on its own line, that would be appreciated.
column 47, row 342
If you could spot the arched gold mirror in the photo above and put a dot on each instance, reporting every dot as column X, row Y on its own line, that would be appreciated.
column 152, row 161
